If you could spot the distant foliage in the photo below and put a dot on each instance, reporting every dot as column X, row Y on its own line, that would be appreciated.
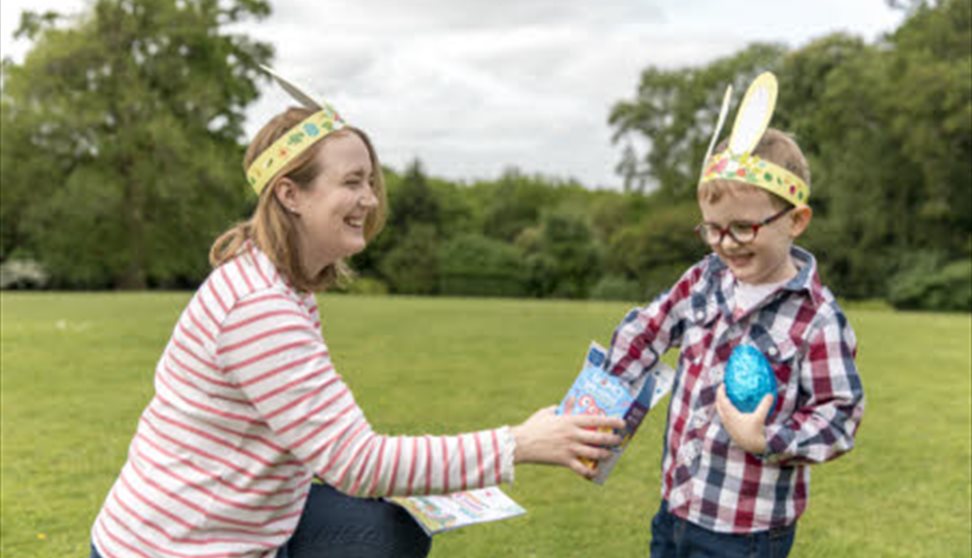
column 367, row 286
column 887, row 128
column 475, row 265
column 658, row 249
column 412, row 266
column 613, row 287
column 929, row 286
column 121, row 159
column 121, row 139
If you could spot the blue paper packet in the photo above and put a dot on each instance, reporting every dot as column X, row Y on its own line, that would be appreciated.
column 596, row 392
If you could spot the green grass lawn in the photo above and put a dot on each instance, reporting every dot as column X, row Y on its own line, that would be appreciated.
column 77, row 371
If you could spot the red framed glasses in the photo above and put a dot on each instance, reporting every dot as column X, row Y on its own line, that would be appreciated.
column 743, row 232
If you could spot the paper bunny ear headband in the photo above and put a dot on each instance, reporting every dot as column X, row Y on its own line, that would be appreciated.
column 297, row 139
column 737, row 162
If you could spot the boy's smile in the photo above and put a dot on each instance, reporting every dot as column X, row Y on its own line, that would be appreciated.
column 766, row 258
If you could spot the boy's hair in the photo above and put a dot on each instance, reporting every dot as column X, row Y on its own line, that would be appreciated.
column 776, row 147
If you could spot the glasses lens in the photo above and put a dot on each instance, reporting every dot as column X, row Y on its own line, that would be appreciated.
column 708, row 233
column 742, row 232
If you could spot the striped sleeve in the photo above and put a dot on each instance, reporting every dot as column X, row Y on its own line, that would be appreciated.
column 270, row 347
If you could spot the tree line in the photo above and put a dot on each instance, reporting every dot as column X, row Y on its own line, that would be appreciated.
column 121, row 147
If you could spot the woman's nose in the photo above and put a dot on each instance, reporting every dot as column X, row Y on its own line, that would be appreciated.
column 369, row 199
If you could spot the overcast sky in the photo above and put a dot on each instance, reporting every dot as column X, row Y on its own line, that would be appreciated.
column 471, row 87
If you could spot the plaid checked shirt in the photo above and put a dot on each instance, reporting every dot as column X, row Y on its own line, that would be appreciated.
column 706, row 478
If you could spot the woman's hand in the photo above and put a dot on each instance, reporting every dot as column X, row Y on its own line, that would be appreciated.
column 552, row 439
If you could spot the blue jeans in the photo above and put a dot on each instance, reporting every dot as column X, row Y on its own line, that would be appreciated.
column 340, row 526
column 673, row 537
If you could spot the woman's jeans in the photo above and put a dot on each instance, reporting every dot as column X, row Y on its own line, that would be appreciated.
column 340, row 526
column 334, row 524
column 673, row 537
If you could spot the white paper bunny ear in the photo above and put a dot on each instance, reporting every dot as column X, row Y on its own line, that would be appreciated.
column 299, row 94
column 723, row 112
column 738, row 163
column 754, row 114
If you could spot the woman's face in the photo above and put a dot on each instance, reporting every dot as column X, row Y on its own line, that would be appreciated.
column 332, row 210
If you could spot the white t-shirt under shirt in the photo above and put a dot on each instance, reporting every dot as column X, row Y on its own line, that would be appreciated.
column 748, row 296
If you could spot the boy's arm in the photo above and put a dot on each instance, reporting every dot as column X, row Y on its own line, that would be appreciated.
column 646, row 333
column 831, row 400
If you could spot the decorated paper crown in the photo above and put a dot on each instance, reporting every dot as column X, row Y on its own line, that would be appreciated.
column 297, row 139
column 738, row 162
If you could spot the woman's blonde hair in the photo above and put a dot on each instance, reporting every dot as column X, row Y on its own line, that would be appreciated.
column 273, row 229
column 776, row 147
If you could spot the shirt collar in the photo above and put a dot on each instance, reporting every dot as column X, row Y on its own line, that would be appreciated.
column 806, row 278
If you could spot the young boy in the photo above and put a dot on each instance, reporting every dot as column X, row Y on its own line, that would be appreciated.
column 734, row 484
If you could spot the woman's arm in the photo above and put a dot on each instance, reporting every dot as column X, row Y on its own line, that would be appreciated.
column 269, row 346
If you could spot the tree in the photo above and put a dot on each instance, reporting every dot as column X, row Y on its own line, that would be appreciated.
column 658, row 249
column 514, row 203
column 413, row 202
column 120, row 159
column 562, row 255
column 804, row 87
column 472, row 264
column 404, row 254
column 930, row 115
column 673, row 115
column 412, row 266
column 886, row 127
column 888, row 130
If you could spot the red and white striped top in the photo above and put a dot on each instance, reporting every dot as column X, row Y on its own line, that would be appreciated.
column 247, row 410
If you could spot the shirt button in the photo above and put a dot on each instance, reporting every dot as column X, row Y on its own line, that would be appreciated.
column 692, row 451
column 699, row 314
column 772, row 351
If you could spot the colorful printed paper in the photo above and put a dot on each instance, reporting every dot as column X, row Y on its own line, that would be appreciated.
column 445, row 512
column 595, row 392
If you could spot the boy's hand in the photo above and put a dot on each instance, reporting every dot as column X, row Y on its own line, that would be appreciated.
column 746, row 429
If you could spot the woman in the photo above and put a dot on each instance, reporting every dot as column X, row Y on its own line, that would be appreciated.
column 248, row 408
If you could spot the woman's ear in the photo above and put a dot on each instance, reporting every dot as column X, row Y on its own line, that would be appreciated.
column 288, row 194
column 800, row 219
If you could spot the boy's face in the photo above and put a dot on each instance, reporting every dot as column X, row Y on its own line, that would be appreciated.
column 766, row 259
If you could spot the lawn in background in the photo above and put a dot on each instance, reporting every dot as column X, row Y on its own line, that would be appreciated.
column 77, row 371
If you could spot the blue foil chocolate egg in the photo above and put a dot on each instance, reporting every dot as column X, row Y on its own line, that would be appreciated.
column 749, row 377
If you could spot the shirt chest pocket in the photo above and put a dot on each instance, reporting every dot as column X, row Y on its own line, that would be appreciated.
column 779, row 350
